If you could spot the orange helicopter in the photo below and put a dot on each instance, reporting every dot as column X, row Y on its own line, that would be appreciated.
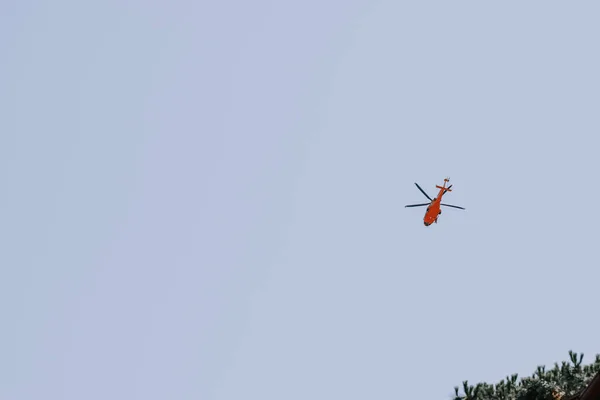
column 434, row 207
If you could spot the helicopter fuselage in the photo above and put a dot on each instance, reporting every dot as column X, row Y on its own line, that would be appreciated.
column 434, row 209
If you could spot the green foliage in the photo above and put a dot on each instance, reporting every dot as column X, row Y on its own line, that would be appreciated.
column 559, row 383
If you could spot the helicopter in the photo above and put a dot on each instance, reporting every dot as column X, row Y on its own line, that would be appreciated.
column 434, row 206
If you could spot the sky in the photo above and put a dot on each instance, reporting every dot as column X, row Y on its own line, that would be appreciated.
column 205, row 200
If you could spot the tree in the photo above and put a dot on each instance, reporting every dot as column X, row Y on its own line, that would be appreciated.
column 568, row 381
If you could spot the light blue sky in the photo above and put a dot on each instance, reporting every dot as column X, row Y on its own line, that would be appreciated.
column 205, row 200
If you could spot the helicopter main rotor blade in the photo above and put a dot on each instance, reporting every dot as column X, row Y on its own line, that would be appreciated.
column 422, row 191
column 418, row 205
column 450, row 205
